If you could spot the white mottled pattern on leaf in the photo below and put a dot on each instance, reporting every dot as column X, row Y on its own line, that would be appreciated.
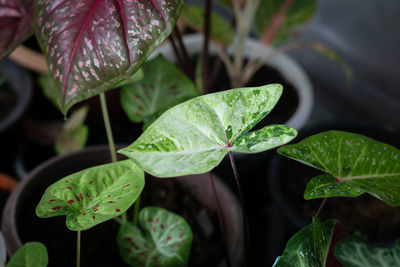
column 194, row 136
column 356, row 164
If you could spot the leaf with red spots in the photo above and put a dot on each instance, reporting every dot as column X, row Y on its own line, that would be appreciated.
column 94, row 195
column 93, row 45
column 163, row 86
column 163, row 239
column 16, row 24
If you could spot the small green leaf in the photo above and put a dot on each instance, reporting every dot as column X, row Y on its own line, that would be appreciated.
column 194, row 136
column 163, row 86
column 49, row 89
column 356, row 164
column 164, row 239
column 94, row 195
column 32, row 254
column 353, row 252
column 310, row 246
column 220, row 30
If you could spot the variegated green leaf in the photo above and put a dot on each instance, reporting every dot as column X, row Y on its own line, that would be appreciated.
column 94, row 195
column 163, row 86
column 355, row 164
column 310, row 246
column 353, row 252
column 32, row 254
column 194, row 136
column 163, row 239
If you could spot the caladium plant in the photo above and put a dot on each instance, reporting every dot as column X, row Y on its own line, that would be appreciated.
column 32, row 254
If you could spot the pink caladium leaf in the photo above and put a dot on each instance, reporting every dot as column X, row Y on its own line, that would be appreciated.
column 16, row 24
column 92, row 45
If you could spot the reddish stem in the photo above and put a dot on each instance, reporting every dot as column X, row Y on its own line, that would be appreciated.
column 320, row 207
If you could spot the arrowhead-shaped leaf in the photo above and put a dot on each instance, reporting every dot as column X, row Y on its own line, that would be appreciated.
column 194, row 136
column 32, row 254
column 163, row 86
column 353, row 252
column 94, row 195
column 356, row 164
column 93, row 45
column 163, row 239
column 16, row 24
column 292, row 12
column 310, row 246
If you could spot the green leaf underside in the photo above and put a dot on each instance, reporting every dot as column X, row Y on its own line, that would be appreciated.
column 353, row 252
column 94, row 195
column 194, row 136
column 32, row 254
column 163, row 86
column 164, row 239
column 93, row 45
column 309, row 247
column 299, row 12
column 355, row 164
column 220, row 30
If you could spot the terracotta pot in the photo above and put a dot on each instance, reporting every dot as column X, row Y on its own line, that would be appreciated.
column 24, row 198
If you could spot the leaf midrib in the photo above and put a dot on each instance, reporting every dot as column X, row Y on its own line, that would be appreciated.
column 372, row 176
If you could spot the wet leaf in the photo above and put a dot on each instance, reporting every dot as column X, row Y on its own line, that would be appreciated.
column 163, row 86
column 354, row 164
column 163, row 239
column 220, row 30
column 32, row 254
column 94, row 195
column 194, row 136
column 16, row 24
column 353, row 252
column 93, row 45
column 310, row 246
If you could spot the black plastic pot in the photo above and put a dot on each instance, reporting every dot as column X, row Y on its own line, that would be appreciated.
column 26, row 196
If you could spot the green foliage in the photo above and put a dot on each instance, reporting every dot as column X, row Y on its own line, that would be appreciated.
column 354, row 164
column 163, row 239
column 49, row 89
column 94, row 195
column 310, row 246
column 32, row 254
column 353, row 252
column 163, row 86
column 137, row 76
column 194, row 136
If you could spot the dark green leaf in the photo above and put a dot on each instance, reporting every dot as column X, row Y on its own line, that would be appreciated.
column 49, row 89
column 355, row 164
column 94, row 195
column 32, row 254
column 163, row 239
column 137, row 76
column 310, row 246
column 194, row 136
column 353, row 252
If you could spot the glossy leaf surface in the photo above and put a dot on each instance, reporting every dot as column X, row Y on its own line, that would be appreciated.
column 220, row 30
column 310, row 246
column 355, row 164
column 32, row 254
column 93, row 45
column 94, row 195
column 163, row 86
column 16, row 24
column 163, row 239
column 194, row 136
column 269, row 14
column 353, row 252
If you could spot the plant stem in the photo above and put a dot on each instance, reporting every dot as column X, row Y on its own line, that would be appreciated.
column 78, row 249
column 244, row 213
column 108, row 127
column 136, row 211
column 221, row 221
column 321, row 206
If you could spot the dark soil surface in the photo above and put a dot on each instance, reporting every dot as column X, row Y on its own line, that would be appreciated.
column 99, row 247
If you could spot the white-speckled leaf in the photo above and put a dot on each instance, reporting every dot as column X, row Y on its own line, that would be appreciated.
column 163, row 239
column 94, row 195
column 309, row 247
column 194, row 136
column 32, row 254
column 93, row 45
column 356, row 164
column 354, row 252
